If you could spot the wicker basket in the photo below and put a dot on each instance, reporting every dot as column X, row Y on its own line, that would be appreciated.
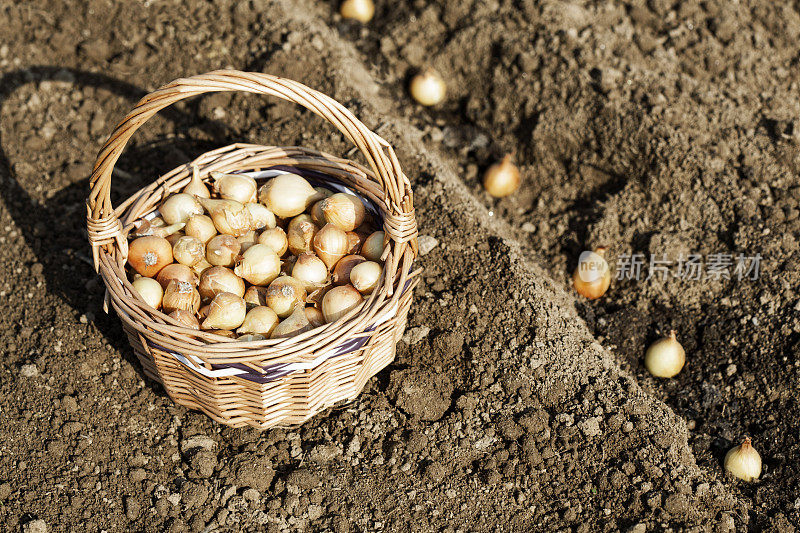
column 279, row 382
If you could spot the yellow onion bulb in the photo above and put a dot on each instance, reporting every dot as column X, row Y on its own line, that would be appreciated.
column 148, row 255
column 360, row 10
column 226, row 311
column 743, row 461
column 223, row 250
column 345, row 265
column 177, row 272
column 592, row 277
column 428, row 88
column 372, row 249
column 150, row 291
column 503, row 178
column 180, row 295
column 260, row 320
column 339, row 301
column 286, row 195
column 345, row 211
column 276, row 239
column 284, row 293
column 665, row 357
column 219, row 279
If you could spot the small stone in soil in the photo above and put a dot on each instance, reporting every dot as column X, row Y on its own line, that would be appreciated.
column 28, row 371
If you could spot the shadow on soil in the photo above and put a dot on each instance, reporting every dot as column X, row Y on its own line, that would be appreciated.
column 54, row 229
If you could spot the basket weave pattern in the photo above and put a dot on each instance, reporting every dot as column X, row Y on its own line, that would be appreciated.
column 277, row 382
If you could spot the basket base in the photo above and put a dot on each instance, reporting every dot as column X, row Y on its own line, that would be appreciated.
column 287, row 401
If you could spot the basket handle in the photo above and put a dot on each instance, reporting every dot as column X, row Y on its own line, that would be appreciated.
column 103, row 223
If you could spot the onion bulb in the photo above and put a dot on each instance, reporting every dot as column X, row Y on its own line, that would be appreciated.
column 300, row 234
column 188, row 251
column 196, row 187
column 177, row 272
column 503, row 178
column 179, row 207
column 150, row 291
column 365, row 276
column 354, row 241
column 286, row 195
column 236, row 187
column 261, row 320
column 219, row 279
column 428, row 88
column 315, row 316
column 186, row 318
column 330, row 244
column 276, row 239
column 295, row 324
column 147, row 255
column 255, row 296
column 200, row 227
column 360, row 10
column 180, row 295
column 592, row 276
column 262, row 217
column 665, row 357
column 229, row 216
column 259, row 265
column 743, row 461
column 341, row 272
column 223, row 250
column 372, row 248
column 339, row 301
column 227, row 311
column 284, row 294
column 310, row 270
column 345, row 211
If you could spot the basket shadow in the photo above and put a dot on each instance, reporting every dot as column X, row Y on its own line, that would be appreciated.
column 54, row 229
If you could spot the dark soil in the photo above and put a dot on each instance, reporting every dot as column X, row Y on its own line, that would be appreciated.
column 660, row 128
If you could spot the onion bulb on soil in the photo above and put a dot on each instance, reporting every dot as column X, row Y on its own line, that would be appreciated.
column 427, row 88
column 592, row 277
column 743, row 461
column 148, row 255
column 150, row 290
column 665, row 357
column 503, row 178
column 360, row 10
